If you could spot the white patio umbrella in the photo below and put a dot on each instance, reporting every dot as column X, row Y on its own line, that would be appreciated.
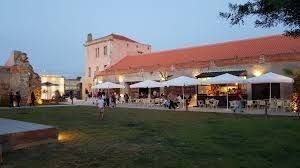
column 108, row 85
column 147, row 84
column 270, row 78
column 182, row 81
column 225, row 79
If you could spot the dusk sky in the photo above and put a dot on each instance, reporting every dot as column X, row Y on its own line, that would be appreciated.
column 52, row 32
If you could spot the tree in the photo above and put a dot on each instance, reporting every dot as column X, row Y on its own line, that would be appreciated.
column 270, row 13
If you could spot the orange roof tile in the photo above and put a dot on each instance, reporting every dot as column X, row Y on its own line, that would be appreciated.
column 271, row 45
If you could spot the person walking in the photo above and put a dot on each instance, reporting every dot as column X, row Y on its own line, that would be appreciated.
column 113, row 100
column 239, row 98
column 11, row 98
column 18, row 98
column 101, row 107
column 32, row 99
column 86, row 94
column 172, row 100
column 72, row 96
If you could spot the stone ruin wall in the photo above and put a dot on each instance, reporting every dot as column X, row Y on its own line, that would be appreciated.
column 18, row 75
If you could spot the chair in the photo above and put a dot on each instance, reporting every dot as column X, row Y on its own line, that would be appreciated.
column 273, row 105
column 279, row 105
column 287, row 105
column 215, row 104
column 207, row 103
column 232, row 104
column 249, row 104
column 201, row 103
column 261, row 104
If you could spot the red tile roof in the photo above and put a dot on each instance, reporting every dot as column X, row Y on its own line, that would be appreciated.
column 271, row 45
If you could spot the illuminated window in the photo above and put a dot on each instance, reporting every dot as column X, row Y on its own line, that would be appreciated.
column 105, row 50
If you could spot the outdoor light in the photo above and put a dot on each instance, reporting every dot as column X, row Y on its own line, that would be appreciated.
column 65, row 136
column 257, row 72
column 40, row 101
column 121, row 79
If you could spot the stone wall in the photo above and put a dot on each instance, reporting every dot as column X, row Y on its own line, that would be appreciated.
column 18, row 75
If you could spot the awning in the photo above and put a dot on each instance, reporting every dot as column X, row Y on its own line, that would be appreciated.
column 210, row 74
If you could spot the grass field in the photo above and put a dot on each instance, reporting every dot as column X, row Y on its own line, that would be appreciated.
column 143, row 138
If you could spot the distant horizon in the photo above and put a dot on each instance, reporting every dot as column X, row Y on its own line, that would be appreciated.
column 54, row 40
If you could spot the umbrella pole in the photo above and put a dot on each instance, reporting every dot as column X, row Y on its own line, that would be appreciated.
column 270, row 92
column 183, row 97
column 227, row 96
column 149, row 95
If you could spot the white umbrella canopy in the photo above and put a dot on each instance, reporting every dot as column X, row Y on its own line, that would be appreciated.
column 270, row 78
column 147, row 84
column 225, row 79
column 182, row 81
column 108, row 85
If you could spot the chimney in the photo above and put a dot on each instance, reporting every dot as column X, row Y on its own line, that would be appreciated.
column 89, row 37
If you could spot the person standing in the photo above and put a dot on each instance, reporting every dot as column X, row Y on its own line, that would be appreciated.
column 172, row 100
column 101, row 107
column 32, row 99
column 113, row 100
column 86, row 94
column 18, row 98
column 72, row 96
column 11, row 98
column 239, row 98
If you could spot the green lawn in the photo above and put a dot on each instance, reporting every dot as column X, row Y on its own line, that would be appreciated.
column 143, row 138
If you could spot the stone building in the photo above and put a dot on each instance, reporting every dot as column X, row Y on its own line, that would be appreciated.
column 102, row 53
column 18, row 75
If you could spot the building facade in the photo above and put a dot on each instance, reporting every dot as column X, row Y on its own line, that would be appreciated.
column 102, row 53
column 74, row 85
column 51, row 84
column 253, row 57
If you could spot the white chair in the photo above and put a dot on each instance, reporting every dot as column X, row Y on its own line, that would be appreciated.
column 273, row 105
column 232, row 104
column 287, row 105
column 207, row 103
column 261, row 104
column 215, row 104
column 279, row 105
column 201, row 103
column 249, row 104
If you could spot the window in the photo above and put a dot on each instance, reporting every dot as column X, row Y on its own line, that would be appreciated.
column 97, row 68
column 105, row 66
column 97, row 52
column 137, row 46
column 89, row 72
column 127, row 44
column 105, row 50
column 140, row 52
column 148, row 48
